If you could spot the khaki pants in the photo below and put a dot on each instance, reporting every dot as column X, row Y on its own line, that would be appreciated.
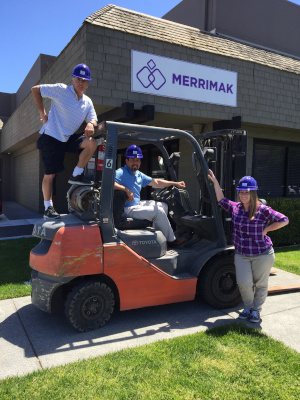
column 252, row 275
column 152, row 211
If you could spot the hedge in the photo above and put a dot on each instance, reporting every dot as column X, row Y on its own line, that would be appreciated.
column 290, row 234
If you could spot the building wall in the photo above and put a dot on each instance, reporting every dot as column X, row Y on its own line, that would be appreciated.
column 190, row 12
column 7, row 105
column 42, row 63
column 265, row 95
column 27, row 177
column 263, row 132
column 255, row 21
column 268, row 100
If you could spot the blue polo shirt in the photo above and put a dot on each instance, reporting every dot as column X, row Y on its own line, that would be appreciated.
column 67, row 113
column 134, row 182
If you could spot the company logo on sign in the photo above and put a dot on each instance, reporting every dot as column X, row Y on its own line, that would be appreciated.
column 149, row 75
column 168, row 77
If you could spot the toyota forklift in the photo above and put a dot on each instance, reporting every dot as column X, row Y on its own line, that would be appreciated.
column 94, row 261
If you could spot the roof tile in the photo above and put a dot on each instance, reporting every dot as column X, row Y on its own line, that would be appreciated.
column 127, row 21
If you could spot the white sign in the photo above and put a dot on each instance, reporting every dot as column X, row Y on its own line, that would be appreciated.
column 162, row 76
column 108, row 163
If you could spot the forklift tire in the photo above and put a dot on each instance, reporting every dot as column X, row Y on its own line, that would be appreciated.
column 217, row 283
column 89, row 305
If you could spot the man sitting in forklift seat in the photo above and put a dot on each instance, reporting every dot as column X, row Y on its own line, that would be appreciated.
column 130, row 180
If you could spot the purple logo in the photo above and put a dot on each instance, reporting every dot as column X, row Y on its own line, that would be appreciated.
column 149, row 75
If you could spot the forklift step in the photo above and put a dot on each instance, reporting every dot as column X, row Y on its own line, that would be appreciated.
column 176, row 262
column 283, row 289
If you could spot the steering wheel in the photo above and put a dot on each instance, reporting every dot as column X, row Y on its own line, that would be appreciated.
column 164, row 194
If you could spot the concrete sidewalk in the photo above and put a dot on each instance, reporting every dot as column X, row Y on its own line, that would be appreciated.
column 32, row 340
column 16, row 221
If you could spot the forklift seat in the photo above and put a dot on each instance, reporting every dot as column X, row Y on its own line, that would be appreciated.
column 122, row 222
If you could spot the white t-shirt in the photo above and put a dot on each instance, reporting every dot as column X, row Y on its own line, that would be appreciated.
column 67, row 113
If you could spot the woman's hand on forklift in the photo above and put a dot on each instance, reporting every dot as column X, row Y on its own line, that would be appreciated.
column 211, row 176
column 218, row 190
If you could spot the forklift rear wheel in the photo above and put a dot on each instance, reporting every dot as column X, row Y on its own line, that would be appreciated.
column 217, row 283
column 89, row 305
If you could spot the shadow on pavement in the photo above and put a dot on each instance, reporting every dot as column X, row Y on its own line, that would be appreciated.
column 50, row 334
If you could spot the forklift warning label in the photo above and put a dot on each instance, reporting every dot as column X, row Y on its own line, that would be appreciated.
column 169, row 77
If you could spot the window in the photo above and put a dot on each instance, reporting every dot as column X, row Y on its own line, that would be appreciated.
column 276, row 167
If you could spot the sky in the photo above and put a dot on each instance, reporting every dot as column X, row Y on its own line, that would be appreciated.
column 29, row 28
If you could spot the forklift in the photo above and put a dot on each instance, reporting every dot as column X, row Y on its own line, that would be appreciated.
column 93, row 261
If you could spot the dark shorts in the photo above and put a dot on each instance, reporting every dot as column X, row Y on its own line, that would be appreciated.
column 53, row 151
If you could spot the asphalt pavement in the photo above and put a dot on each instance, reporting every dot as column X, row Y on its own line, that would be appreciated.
column 31, row 340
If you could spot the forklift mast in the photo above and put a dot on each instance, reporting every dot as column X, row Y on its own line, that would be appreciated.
column 225, row 153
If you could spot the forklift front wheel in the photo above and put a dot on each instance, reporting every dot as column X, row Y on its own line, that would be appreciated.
column 217, row 283
column 89, row 305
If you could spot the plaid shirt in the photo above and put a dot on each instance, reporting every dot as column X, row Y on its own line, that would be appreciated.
column 247, row 235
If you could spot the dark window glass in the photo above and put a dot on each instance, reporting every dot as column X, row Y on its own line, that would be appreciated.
column 276, row 167
column 293, row 173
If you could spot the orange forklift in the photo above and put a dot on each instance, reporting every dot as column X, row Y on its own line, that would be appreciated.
column 94, row 261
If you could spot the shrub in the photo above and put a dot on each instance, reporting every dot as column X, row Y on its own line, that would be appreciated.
column 290, row 234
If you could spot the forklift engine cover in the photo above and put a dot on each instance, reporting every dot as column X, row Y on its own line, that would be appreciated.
column 47, row 229
column 148, row 243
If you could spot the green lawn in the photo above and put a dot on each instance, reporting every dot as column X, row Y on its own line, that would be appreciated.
column 288, row 259
column 231, row 362
column 15, row 270
column 14, row 258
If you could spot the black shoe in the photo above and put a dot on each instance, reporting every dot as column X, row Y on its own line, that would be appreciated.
column 80, row 180
column 177, row 242
column 51, row 213
column 245, row 314
column 254, row 316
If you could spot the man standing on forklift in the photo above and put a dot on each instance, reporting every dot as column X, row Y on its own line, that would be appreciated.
column 70, row 107
column 130, row 180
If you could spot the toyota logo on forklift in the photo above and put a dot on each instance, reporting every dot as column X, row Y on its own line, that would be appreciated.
column 143, row 242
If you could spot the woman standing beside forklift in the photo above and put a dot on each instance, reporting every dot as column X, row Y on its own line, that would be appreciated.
column 254, row 253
